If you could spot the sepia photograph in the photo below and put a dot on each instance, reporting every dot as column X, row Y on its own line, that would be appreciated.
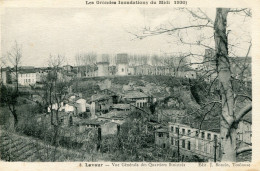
column 121, row 84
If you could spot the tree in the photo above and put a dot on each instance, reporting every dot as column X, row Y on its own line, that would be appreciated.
column 228, row 94
column 56, row 87
column 229, row 119
column 9, row 95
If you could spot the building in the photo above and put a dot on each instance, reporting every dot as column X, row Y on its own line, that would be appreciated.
column 112, row 70
column 121, row 107
column 81, row 105
column 41, row 73
column 67, row 68
column 192, row 141
column 240, row 66
column 55, row 106
column 162, row 137
column 103, row 65
column 122, row 64
column 170, row 115
column 3, row 76
column 91, row 71
column 107, row 127
column 101, row 103
column 137, row 98
column 114, row 116
column 27, row 77
column 244, row 131
column 200, row 141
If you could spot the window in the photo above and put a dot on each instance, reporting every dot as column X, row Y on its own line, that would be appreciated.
column 208, row 148
column 172, row 128
column 197, row 133
column 215, row 137
column 160, row 134
column 202, row 135
column 183, row 143
column 197, row 144
column 188, row 145
column 209, row 136
column 172, row 140
column 189, row 132
column 183, row 131
column 176, row 130
column 122, row 69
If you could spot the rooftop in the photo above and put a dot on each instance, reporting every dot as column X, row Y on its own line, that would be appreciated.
column 121, row 106
column 90, row 122
column 114, row 114
column 135, row 94
column 99, row 97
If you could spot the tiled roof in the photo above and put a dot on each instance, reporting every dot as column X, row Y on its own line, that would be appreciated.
column 99, row 97
column 115, row 114
column 162, row 130
column 135, row 94
column 25, row 71
column 121, row 106
column 90, row 122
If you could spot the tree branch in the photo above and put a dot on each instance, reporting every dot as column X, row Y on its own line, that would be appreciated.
column 244, row 149
column 243, row 112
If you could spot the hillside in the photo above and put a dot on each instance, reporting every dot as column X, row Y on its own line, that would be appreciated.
column 21, row 148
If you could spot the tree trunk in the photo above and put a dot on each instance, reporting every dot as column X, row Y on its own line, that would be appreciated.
column 227, row 132
column 55, row 141
column 13, row 111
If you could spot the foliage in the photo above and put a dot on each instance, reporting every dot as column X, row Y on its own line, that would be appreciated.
column 8, row 95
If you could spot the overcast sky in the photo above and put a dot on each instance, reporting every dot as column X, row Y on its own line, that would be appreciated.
column 65, row 31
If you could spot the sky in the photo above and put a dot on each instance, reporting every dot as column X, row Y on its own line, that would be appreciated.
column 69, row 31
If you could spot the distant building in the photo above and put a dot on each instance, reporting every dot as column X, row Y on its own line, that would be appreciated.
column 101, row 103
column 121, row 107
column 240, row 66
column 91, row 71
column 41, row 73
column 67, row 68
column 114, row 116
column 137, row 98
column 81, row 105
column 3, row 76
column 103, row 65
column 170, row 115
column 27, row 77
column 122, row 64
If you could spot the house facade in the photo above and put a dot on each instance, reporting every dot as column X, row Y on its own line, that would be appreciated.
column 137, row 98
column 26, row 78
column 122, row 64
column 3, row 76
column 192, row 141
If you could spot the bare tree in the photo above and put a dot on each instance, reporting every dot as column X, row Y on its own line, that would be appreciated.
column 56, row 88
column 9, row 95
column 230, row 115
